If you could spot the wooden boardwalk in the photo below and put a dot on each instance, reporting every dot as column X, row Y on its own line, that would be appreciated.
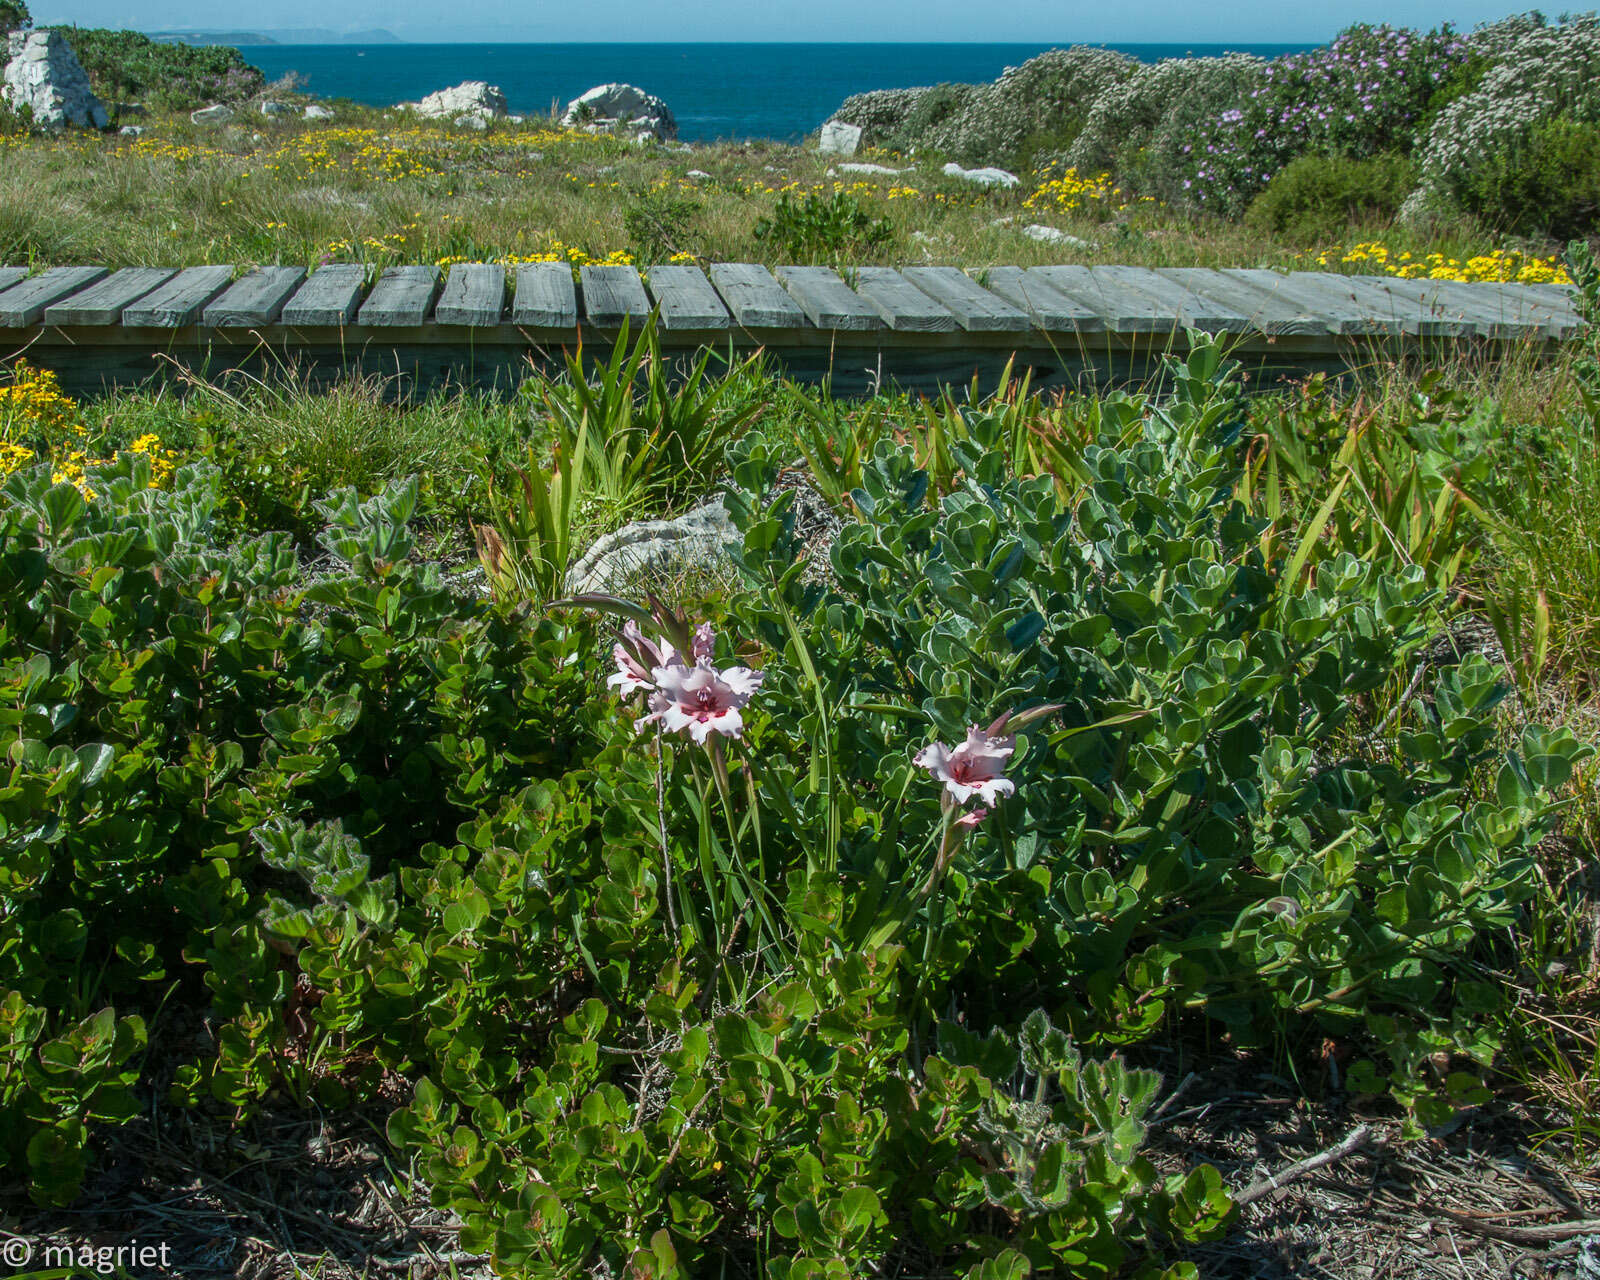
column 481, row 323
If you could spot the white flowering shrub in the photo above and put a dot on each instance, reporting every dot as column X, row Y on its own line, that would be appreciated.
column 1042, row 103
column 1538, row 72
column 1211, row 133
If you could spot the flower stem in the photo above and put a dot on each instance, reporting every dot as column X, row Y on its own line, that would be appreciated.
column 661, row 830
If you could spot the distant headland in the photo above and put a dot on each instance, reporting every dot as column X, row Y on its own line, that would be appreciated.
column 286, row 35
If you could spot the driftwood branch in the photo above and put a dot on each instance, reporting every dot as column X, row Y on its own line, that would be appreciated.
column 1354, row 1141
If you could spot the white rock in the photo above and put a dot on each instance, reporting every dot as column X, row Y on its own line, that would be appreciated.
column 44, row 75
column 217, row 114
column 623, row 107
column 882, row 171
column 471, row 97
column 982, row 177
column 316, row 111
column 839, row 138
column 515, row 119
column 1054, row 235
column 480, row 123
column 699, row 175
column 275, row 110
column 698, row 537
column 132, row 131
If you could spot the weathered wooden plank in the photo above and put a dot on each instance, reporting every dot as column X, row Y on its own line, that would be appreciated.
column 104, row 302
column 1121, row 310
column 1192, row 310
column 1385, row 302
column 24, row 304
column 903, row 306
column 1492, row 315
column 1558, row 293
column 1433, row 307
column 756, row 300
column 1346, row 316
column 1274, row 314
column 330, row 298
column 11, row 275
column 827, row 300
column 180, row 301
column 402, row 297
column 1556, row 318
column 474, row 295
column 1052, row 310
column 546, row 296
column 974, row 307
column 255, row 299
column 612, row 295
column 685, row 299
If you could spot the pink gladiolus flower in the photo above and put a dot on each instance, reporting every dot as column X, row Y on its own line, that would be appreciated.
column 972, row 817
column 701, row 699
column 637, row 657
column 975, row 768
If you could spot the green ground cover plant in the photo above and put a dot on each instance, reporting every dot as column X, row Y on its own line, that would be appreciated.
column 811, row 924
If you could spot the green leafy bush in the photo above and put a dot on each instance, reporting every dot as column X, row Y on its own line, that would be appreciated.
column 125, row 65
column 14, row 14
column 168, row 700
column 1546, row 184
column 754, row 990
column 1318, row 197
column 1205, row 832
column 817, row 228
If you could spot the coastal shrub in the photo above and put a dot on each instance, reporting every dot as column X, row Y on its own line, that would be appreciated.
column 125, row 65
column 1315, row 198
column 14, row 15
column 1539, row 71
column 1546, row 183
column 1198, row 822
column 1034, row 109
column 1157, row 130
column 198, row 695
column 1367, row 93
column 822, row 228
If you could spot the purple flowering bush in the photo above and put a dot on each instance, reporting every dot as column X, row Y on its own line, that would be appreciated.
column 1373, row 90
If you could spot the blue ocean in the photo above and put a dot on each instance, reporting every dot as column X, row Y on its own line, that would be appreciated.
column 717, row 91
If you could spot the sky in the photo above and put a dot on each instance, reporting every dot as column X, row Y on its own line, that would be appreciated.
column 1021, row 21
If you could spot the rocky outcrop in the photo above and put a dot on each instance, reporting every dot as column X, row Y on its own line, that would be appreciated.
column 278, row 110
column 316, row 111
column 218, row 114
column 44, row 77
column 471, row 98
column 839, row 138
column 622, row 108
column 698, row 538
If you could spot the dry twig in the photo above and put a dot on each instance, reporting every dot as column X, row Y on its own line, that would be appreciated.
column 1356, row 1139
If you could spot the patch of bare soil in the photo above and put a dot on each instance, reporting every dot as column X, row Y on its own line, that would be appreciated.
column 1328, row 1192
